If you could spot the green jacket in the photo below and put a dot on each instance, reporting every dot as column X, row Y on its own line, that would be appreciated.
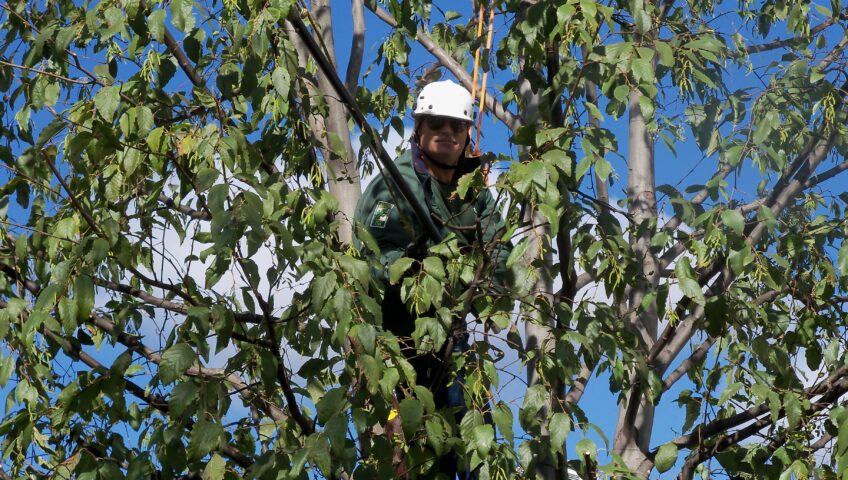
column 394, row 226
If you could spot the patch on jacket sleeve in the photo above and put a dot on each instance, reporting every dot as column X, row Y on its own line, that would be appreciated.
column 380, row 215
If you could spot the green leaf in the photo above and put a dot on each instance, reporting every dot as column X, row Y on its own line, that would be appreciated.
column 482, row 439
column 534, row 398
column 175, row 361
column 66, row 228
column 47, row 298
column 181, row 14
column 559, row 426
column 686, row 280
column 323, row 288
column 130, row 160
column 144, row 120
column 366, row 334
column 794, row 410
column 215, row 469
column 50, row 131
column 84, row 296
column 643, row 20
column 586, row 447
column 470, row 181
column 735, row 220
column 282, row 81
column 371, row 369
column 6, row 369
column 643, row 70
column 205, row 437
column 434, row 267
column 435, row 435
column 332, row 403
column 666, row 55
column 68, row 314
column 182, row 396
column 842, row 258
column 206, row 177
column 602, row 168
column 594, row 111
column 398, row 268
column 502, row 415
column 158, row 141
column 666, row 457
column 106, row 101
column 411, row 413
column 425, row 396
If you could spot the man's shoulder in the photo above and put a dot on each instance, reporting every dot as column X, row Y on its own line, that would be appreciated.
column 382, row 186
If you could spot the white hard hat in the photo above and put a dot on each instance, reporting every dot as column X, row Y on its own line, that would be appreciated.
column 444, row 99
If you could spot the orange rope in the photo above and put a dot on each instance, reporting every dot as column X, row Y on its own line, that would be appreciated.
column 485, row 78
column 476, row 151
column 477, row 53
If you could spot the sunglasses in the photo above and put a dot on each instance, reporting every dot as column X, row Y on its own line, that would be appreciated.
column 436, row 123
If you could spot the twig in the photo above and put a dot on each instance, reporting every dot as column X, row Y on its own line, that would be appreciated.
column 46, row 73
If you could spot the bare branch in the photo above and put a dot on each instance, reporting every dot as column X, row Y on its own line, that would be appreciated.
column 46, row 73
column 195, row 214
column 832, row 383
column 694, row 359
column 821, row 442
column 830, row 392
column 357, row 45
column 247, row 393
column 155, row 401
column 578, row 387
column 774, row 45
column 511, row 121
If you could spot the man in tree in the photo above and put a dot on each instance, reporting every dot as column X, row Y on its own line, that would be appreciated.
column 431, row 168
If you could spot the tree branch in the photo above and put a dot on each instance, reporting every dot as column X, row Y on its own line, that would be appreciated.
column 282, row 376
column 357, row 45
column 830, row 393
column 195, row 214
column 155, row 401
column 46, row 73
column 578, row 387
column 833, row 383
column 776, row 201
column 774, row 45
column 694, row 359
column 96, row 228
column 247, row 393
column 510, row 120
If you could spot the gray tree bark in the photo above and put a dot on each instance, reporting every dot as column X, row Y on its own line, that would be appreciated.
column 538, row 327
column 342, row 171
column 636, row 414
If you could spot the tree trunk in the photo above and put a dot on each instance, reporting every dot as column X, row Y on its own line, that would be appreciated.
column 538, row 328
column 635, row 421
column 342, row 171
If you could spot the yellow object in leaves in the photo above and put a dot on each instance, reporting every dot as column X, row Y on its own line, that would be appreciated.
column 393, row 413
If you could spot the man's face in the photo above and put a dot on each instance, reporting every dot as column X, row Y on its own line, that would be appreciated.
column 443, row 138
